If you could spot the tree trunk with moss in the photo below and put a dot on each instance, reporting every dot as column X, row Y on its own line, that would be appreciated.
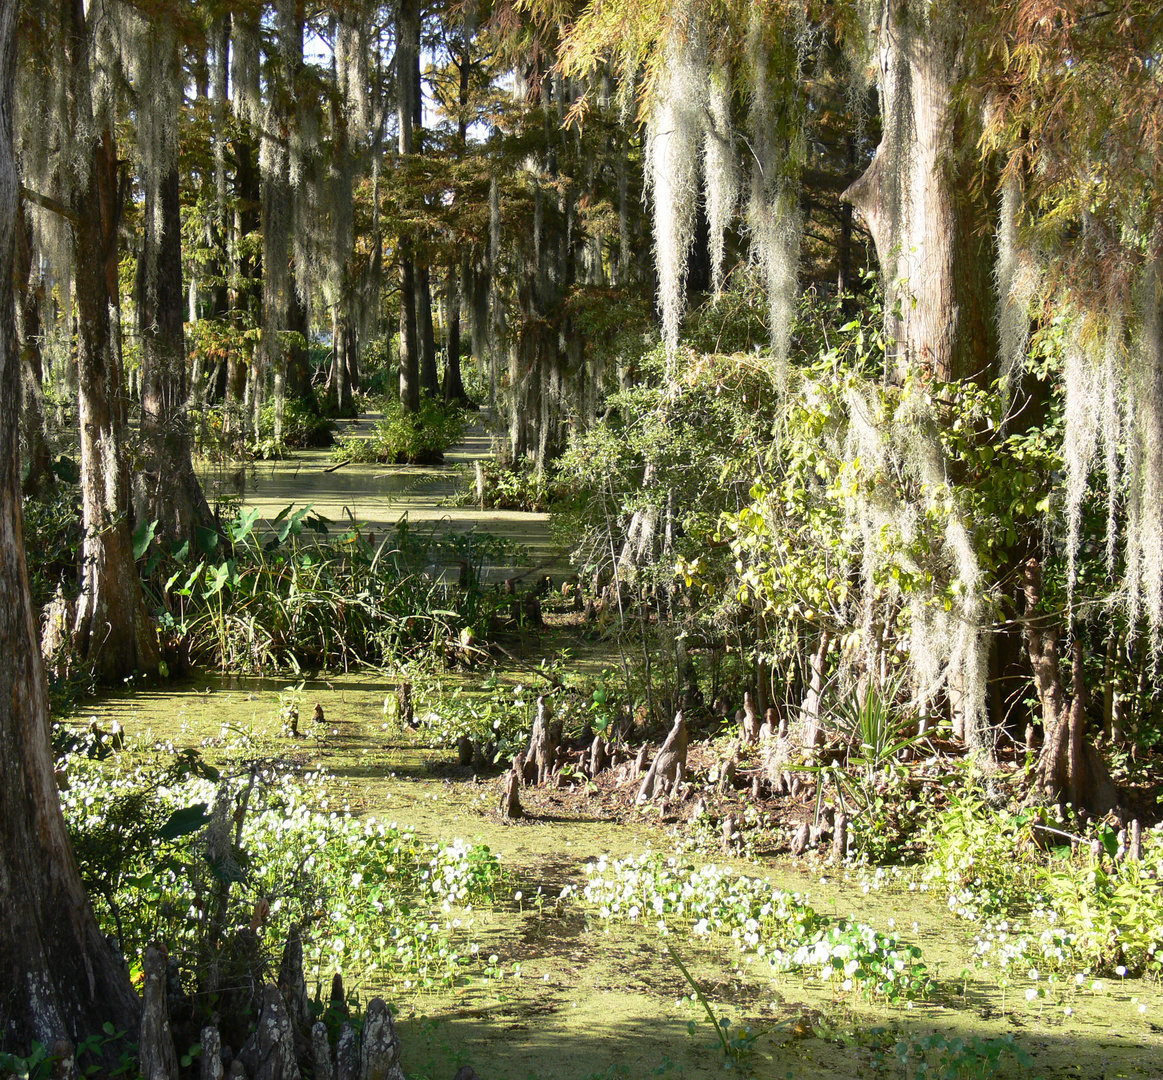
column 60, row 979
column 935, row 262
column 113, row 631
column 38, row 475
column 1069, row 767
column 407, row 92
column 170, row 491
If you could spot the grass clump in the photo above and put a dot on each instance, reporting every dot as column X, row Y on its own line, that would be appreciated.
column 263, row 596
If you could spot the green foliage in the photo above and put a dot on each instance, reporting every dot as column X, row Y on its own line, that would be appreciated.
column 500, row 718
column 938, row 1057
column 270, row 854
column 518, row 487
column 52, row 538
column 400, row 438
column 1040, row 901
column 303, row 427
column 264, row 596
column 89, row 1059
column 1112, row 906
column 689, row 444
column 872, row 781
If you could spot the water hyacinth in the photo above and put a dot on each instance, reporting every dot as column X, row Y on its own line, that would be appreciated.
column 763, row 921
column 376, row 899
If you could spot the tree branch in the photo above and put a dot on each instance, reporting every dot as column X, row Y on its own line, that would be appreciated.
column 45, row 203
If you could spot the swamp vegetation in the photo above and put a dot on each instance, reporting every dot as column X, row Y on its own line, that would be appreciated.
column 460, row 619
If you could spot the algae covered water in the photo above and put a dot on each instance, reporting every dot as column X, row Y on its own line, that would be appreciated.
column 561, row 987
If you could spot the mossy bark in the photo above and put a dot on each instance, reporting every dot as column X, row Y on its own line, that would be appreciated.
column 60, row 979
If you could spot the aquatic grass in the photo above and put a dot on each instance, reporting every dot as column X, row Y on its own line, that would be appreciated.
column 270, row 596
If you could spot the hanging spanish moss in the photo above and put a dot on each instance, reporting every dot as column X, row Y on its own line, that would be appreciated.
column 673, row 137
column 1093, row 372
column 1111, row 426
column 721, row 171
column 1145, row 470
column 1017, row 278
column 776, row 229
column 151, row 54
column 246, row 70
column 777, row 140
column 53, row 138
column 946, row 608
column 1084, row 397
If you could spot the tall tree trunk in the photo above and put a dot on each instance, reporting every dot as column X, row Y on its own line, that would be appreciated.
column 246, row 302
column 297, row 352
column 429, row 376
column 60, row 979
column 409, row 353
column 453, row 381
column 339, row 368
column 457, row 281
column 170, row 491
column 408, row 92
column 38, row 475
column 934, row 262
column 1069, row 766
column 112, row 631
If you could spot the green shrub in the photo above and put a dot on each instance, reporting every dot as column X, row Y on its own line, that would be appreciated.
column 1041, row 899
column 402, row 438
column 303, row 427
column 52, row 539
column 519, row 487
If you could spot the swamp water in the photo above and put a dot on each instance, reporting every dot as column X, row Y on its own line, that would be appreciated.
column 573, row 996
column 375, row 497
column 606, row 999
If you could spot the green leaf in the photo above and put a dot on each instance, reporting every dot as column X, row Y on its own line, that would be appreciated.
column 244, row 524
column 207, row 539
column 143, row 537
column 185, row 821
column 226, row 871
column 65, row 469
column 293, row 524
